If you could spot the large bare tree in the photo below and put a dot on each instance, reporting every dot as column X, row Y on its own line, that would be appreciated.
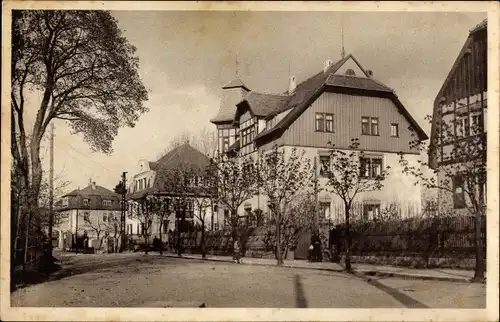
column 85, row 72
column 348, row 177
column 282, row 178
column 233, row 181
column 460, row 177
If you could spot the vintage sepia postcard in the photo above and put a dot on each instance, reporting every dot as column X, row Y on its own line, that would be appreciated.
column 242, row 161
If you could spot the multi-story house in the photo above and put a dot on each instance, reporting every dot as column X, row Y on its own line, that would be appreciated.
column 90, row 215
column 459, row 119
column 341, row 102
column 187, row 166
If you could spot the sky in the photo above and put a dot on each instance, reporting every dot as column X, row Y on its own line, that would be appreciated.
column 186, row 57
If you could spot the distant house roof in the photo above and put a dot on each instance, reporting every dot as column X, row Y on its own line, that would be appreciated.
column 92, row 190
column 181, row 157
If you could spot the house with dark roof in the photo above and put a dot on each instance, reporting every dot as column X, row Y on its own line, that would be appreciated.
column 176, row 176
column 341, row 102
column 460, row 114
column 83, row 214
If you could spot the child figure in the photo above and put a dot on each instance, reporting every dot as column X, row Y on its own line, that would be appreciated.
column 310, row 251
column 236, row 251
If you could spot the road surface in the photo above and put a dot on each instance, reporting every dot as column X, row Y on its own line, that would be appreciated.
column 138, row 280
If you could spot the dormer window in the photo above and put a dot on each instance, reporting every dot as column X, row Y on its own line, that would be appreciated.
column 86, row 202
column 106, row 202
column 65, row 202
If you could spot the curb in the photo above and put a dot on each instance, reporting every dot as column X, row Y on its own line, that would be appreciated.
column 373, row 273
column 258, row 264
column 366, row 274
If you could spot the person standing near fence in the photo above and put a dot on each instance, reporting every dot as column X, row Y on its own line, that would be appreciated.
column 236, row 251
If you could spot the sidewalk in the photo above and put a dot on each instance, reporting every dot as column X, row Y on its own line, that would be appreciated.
column 440, row 274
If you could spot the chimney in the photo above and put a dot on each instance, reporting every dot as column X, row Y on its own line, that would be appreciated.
column 370, row 73
column 292, row 85
column 327, row 65
column 93, row 185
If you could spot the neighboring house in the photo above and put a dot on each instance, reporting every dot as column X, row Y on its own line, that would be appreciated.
column 157, row 179
column 341, row 102
column 91, row 212
column 461, row 105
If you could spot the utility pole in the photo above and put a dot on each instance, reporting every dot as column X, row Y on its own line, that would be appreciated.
column 51, row 187
column 122, row 225
column 316, row 204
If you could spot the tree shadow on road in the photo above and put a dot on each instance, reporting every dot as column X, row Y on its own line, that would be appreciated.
column 300, row 297
column 72, row 268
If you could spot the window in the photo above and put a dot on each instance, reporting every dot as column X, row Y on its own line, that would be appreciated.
column 365, row 129
column 324, row 122
column 462, row 126
column 395, row 130
column 329, row 122
column 476, row 123
column 104, row 218
column 374, row 125
column 86, row 202
column 369, row 125
column 140, row 184
column 371, row 211
column 106, row 202
column 324, row 165
column 86, row 216
column 324, row 210
column 149, row 182
column 370, row 167
column 65, row 202
column 458, row 192
column 165, row 226
column 247, row 136
column 319, row 122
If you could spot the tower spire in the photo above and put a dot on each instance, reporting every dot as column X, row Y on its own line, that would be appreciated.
column 237, row 64
column 342, row 51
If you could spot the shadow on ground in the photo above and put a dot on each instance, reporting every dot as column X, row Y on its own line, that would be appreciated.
column 73, row 266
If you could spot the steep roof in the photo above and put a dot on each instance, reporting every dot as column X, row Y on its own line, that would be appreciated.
column 465, row 49
column 181, row 157
column 309, row 90
column 262, row 104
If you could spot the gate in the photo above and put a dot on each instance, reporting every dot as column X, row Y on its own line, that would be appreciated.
column 303, row 242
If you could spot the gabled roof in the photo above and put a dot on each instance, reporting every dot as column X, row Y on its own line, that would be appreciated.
column 465, row 49
column 183, row 157
column 262, row 104
column 308, row 91
column 91, row 191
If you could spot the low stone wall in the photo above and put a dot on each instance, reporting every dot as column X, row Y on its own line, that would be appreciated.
column 415, row 261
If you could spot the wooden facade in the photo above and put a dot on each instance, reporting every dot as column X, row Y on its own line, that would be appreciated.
column 348, row 111
column 462, row 95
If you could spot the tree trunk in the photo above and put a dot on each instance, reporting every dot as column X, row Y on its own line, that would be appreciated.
column 161, row 242
column 479, row 267
column 348, row 267
column 203, row 252
column 279, row 255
